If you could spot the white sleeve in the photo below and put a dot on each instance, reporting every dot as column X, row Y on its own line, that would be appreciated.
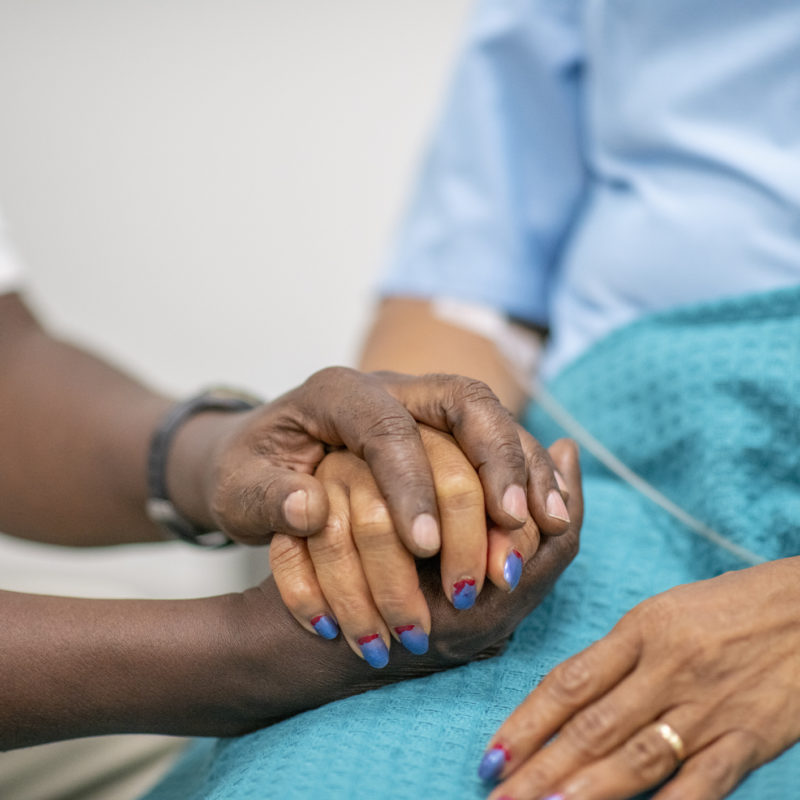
column 10, row 266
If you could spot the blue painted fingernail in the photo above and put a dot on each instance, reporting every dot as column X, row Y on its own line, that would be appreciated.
column 493, row 762
column 414, row 639
column 375, row 652
column 464, row 594
column 554, row 797
column 325, row 626
column 512, row 570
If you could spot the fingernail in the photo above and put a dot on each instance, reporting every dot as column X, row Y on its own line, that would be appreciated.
column 425, row 533
column 464, row 594
column 562, row 484
column 493, row 762
column 325, row 626
column 295, row 509
column 555, row 797
column 515, row 503
column 512, row 570
column 414, row 639
column 555, row 507
column 375, row 652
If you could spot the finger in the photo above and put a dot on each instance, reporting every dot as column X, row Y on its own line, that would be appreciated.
column 644, row 761
column 568, row 688
column 338, row 568
column 463, row 517
column 359, row 413
column 389, row 568
column 272, row 499
column 545, row 498
column 509, row 551
column 590, row 734
column 566, row 459
column 484, row 430
column 298, row 586
column 715, row 771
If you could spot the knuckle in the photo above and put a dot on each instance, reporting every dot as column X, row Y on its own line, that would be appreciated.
column 508, row 450
column 393, row 603
column 389, row 428
column 591, row 731
column 298, row 593
column 373, row 522
column 333, row 544
column 717, row 769
column 460, row 488
column 537, row 777
column 295, row 584
column 469, row 394
column 472, row 390
column 660, row 610
column 539, row 464
column 327, row 376
column 648, row 757
column 570, row 681
column 285, row 555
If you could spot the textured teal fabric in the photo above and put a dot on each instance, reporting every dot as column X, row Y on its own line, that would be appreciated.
column 705, row 403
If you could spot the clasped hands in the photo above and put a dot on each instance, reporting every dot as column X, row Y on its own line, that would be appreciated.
column 692, row 689
column 371, row 472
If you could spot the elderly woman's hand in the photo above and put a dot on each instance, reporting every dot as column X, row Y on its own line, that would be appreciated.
column 253, row 474
column 358, row 572
column 696, row 687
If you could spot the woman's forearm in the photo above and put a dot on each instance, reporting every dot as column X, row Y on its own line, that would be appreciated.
column 407, row 336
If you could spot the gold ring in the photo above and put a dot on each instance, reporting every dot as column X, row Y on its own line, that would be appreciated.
column 669, row 735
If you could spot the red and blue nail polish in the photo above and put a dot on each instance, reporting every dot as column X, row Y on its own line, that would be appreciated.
column 413, row 638
column 325, row 626
column 375, row 652
column 464, row 594
column 512, row 569
column 493, row 762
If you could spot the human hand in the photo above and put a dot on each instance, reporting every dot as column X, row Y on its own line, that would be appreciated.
column 280, row 669
column 252, row 474
column 718, row 662
column 358, row 572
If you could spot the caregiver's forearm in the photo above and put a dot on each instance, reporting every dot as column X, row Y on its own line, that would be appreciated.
column 215, row 666
column 408, row 337
column 74, row 435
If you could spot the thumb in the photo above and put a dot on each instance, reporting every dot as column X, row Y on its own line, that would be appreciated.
column 270, row 500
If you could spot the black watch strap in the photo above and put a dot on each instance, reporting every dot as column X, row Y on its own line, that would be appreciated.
column 160, row 508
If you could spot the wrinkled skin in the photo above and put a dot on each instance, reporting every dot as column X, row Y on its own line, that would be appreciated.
column 328, row 670
column 718, row 661
column 357, row 570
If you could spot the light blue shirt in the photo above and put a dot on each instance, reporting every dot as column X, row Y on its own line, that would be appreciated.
column 600, row 159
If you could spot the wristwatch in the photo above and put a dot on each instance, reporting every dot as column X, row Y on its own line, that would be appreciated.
column 160, row 508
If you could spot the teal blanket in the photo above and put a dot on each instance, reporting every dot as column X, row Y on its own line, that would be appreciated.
column 704, row 402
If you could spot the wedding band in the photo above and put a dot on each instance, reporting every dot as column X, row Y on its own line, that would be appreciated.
column 669, row 735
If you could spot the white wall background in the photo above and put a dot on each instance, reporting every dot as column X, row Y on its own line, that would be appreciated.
column 203, row 189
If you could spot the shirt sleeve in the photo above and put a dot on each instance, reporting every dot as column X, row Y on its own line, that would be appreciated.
column 10, row 267
column 504, row 173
